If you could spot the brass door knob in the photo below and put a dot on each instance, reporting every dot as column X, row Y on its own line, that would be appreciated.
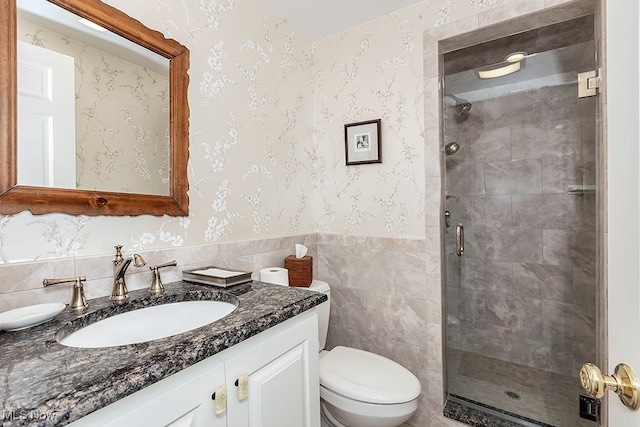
column 623, row 382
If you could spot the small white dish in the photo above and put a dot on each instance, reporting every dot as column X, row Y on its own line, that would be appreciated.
column 25, row 317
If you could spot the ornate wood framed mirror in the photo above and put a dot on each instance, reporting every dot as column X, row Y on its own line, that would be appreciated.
column 16, row 197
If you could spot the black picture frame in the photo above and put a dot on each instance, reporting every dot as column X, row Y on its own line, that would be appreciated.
column 363, row 142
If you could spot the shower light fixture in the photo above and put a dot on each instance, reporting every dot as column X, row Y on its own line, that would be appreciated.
column 512, row 63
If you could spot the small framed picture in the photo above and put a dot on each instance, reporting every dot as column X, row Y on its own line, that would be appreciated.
column 362, row 142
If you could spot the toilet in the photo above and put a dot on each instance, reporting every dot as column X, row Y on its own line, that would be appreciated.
column 359, row 388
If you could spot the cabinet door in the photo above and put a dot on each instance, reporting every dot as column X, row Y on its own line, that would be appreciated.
column 182, row 400
column 282, row 382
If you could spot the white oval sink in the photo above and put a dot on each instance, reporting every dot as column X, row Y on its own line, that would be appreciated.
column 148, row 324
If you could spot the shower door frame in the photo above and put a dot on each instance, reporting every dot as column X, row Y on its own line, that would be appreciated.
column 457, row 37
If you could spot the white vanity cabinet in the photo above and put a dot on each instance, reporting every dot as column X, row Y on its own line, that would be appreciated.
column 276, row 383
column 270, row 380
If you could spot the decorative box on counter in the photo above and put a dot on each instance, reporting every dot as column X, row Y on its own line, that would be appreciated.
column 300, row 270
column 215, row 276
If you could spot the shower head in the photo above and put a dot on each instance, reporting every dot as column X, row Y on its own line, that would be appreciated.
column 451, row 148
column 462, row 105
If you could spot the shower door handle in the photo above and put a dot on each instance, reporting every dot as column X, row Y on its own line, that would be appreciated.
column 623, row 382
column 459, row 239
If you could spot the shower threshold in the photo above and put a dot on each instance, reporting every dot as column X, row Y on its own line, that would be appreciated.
column 479, row 415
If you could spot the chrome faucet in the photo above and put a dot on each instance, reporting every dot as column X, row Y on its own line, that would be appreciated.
column 120, row 265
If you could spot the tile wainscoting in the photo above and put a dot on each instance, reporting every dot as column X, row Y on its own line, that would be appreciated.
column 386, row 298
column 21, row 283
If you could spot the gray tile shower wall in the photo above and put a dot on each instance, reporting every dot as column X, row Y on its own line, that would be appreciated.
column 524, row 291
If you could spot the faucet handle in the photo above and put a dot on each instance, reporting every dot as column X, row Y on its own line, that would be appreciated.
column 118, row 258
column 78, row 301
column 156, row 285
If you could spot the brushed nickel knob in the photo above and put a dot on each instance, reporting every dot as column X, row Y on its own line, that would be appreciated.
column 78, row 301
column 156, row 284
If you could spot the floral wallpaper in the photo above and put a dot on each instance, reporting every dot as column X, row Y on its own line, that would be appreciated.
column 122, row 116
column 266, row 132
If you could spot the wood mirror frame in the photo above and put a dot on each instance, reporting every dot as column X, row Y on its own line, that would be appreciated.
column 15, row 198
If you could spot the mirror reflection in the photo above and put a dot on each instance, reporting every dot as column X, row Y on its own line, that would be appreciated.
column 93, row 108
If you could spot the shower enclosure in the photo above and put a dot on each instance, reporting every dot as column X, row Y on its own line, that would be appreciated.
column 520, row 232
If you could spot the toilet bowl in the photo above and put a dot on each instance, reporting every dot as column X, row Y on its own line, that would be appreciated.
column 359, row 388
column 338, row 411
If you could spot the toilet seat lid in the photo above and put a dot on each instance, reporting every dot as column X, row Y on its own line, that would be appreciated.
column 367, row 377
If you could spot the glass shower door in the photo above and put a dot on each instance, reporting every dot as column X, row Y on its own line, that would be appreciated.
column 520, row 156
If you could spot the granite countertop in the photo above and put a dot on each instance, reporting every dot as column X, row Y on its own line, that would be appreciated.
column 43, row 383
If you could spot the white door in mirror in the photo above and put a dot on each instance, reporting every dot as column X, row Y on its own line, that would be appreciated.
column 46, row 118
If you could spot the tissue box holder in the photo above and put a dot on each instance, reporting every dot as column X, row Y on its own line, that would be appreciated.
column 300, row 270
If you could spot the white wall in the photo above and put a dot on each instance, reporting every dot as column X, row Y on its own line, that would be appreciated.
column 622, row 95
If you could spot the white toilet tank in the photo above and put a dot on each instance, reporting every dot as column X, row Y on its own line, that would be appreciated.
column 322, row 310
